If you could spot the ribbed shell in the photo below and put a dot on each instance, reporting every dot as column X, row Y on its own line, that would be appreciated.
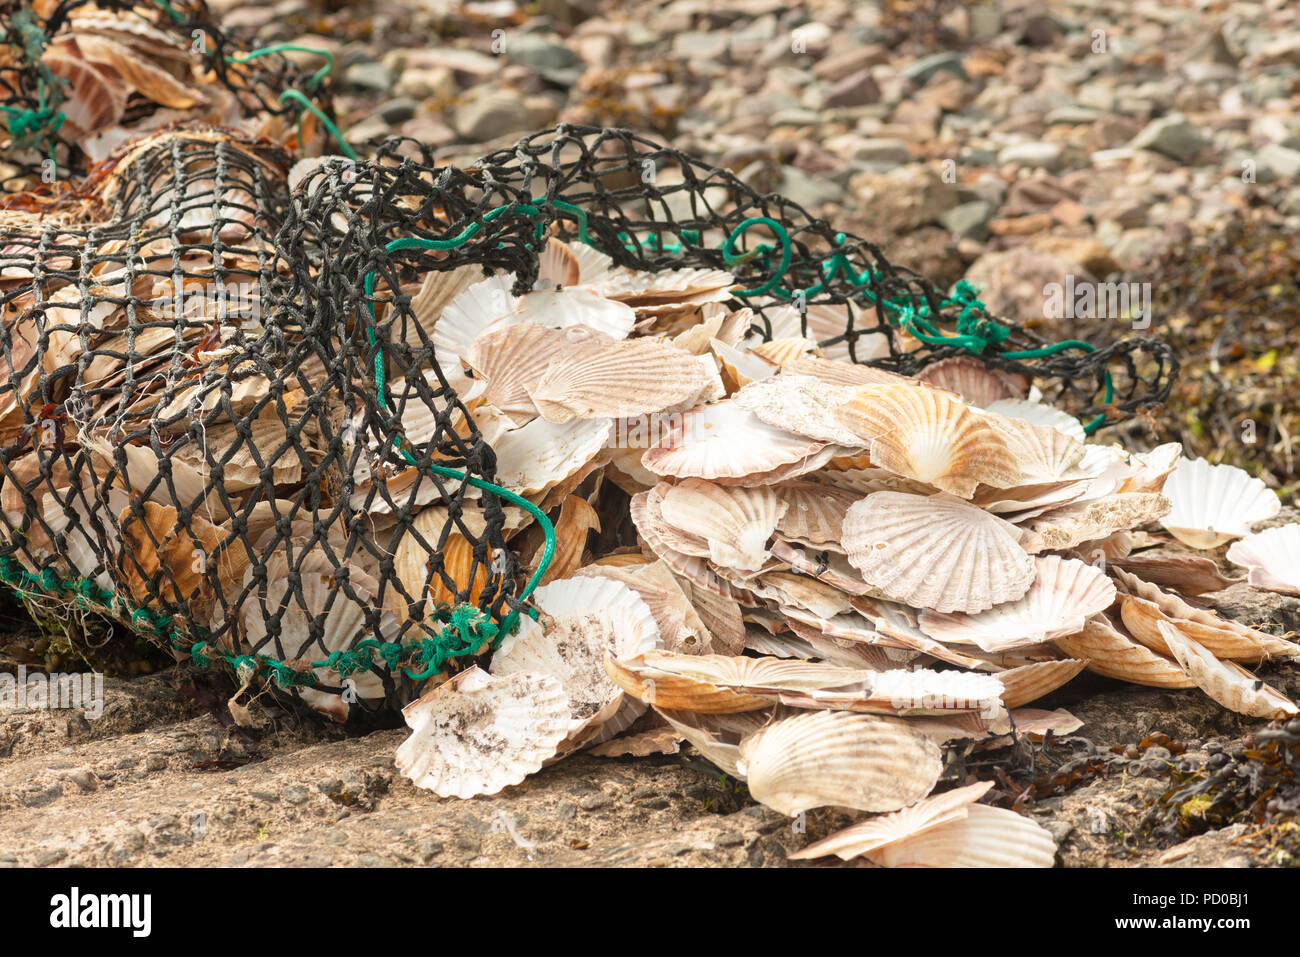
column 1030, row 682
column 1213, row 504
column 1272, row 557
column 590, row 618
column 1039, row 414
column 726, row 441
column 985, row 837
column 841, row 759
column 936, row 552
column 618, row 380
column 479, row 733
column 889, row 829
column 735, row 522
column 800, row 404
column 814, row 514
column 1064, row 594
column 971, row 379
column 1226, row 682
column 924, row 434
column 1115, row 655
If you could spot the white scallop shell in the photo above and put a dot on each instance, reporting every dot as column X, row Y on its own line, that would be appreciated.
column 800, row 404
column 735, row 522
column 985, row 837
column 726, row 441
column 1083, row 521
column 838, row 758
column 878, row 832
column 589, row 618
column 541, row 454
column 1064, row 594
column 1272, row 557
column 479, row 733
column 1040, row 414
column 936, row 552
column 1213, row 504
column 1226, row 681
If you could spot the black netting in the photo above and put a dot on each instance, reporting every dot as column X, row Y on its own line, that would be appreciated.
column 224, row 421
column 189, row 428
column 652, row 207
column 78, row 75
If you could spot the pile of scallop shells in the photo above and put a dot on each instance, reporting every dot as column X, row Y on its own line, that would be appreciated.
column 832, row 573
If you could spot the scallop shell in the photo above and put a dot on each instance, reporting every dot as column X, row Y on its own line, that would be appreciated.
column 1226, row 682
column 834, row 372
column 513, row 359
column 1039, row 414
column 1064, row 594
column 985, row 837
column 558, row 265
column 936, row 552
column 479, row 733
column 1079, row 522
column 1111, row 653
column 971, row 379
column 922, row 434
column 716, row 736
column 802, row 405
column 901, row 692
column 1144, row 605
column 1213, row 504
column 1042, row 453
column 589, row 618
column 878, row 832
column 720, row 684
column 726, row 441
column 1273, row 558
column 562, row 308
column 619, row 380
column 735, row 522
column 814, row 514
column 1155, row 468
column 681, row 629
column 541, row 454
column 1190, row 574
column 1030, row 682
column 838, row 758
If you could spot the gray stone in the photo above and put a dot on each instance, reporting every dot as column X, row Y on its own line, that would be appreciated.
column 969, row 220
column 368, row 75
column 1174, row 136
column 924, row 69
column 1275, row 161
column 296, row 794
column 397, row 110
column 49, row 856
column 1037, row 155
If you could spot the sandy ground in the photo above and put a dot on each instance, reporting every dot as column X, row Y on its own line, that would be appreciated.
column 161, row 779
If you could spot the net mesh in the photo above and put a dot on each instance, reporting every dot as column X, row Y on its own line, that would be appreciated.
column 79, row 76
column 223, row 420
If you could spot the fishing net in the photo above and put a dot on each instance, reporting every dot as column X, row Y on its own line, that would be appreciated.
column 225, row 422
column 651, row 207
column 78, row 77
column 187, row 433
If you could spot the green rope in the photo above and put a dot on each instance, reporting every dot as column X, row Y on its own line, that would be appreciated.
column 466, row 630
column 510, row 622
